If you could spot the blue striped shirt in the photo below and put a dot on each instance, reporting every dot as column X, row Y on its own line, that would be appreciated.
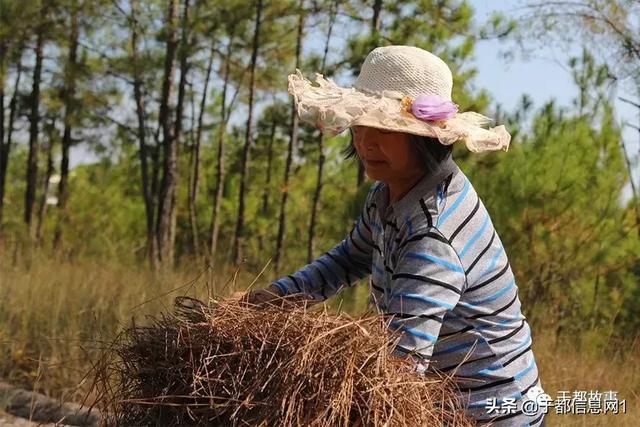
column 439, row 271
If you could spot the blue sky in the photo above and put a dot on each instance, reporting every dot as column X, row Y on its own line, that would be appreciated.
column 543, row 76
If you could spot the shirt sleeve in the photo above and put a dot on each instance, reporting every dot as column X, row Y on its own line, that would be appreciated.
column 347, row 262
column 427, row 282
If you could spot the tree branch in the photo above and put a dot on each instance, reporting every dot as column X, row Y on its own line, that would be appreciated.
column 628, row 101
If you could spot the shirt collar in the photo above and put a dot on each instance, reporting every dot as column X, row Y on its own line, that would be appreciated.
column 425, row 186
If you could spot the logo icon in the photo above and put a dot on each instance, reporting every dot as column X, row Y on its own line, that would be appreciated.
column 537, row 399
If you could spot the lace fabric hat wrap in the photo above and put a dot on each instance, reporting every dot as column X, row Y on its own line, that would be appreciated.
column 390, row 79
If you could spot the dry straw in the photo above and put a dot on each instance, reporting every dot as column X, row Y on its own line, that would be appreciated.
column 227, row 364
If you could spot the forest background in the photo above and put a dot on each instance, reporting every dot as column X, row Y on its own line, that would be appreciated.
column 204, row 181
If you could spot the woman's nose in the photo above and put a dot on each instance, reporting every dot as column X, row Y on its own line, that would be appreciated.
column 371, row 145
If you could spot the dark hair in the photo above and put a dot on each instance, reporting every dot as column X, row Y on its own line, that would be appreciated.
column 431, row 152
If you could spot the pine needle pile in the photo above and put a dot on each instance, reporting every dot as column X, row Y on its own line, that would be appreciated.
column 226, row 364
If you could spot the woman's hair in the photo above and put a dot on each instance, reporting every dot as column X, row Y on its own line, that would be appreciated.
column 431, row 152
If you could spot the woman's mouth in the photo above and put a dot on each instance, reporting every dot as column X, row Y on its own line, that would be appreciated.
column 374, row 162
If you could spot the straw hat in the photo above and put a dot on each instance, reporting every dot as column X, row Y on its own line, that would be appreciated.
column 400, row 88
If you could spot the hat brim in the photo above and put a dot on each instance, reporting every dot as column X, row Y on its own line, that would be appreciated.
column 333, row 109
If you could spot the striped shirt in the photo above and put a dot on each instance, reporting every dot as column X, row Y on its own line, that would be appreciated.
column 439, row 271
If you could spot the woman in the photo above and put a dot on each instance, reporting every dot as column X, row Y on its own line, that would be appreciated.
column 437, row 265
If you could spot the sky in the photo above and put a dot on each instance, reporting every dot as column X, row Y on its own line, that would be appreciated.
column 543, row 76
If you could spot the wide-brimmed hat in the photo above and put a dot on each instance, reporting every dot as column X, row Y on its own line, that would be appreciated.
column 402, row 89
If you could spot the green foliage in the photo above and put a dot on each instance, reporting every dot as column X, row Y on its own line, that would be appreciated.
column 556, row 197
column 107, row 213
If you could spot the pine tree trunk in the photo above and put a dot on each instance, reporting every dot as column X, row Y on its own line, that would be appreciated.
column 178, row 127
column 3, row 51
column 147, row 194
column 267, row 184
column 42, row 209
column 195, row 175
column 636, row 196
column 6, row 147
column 316, row 201
column 265, row 194
column 293, row 138
column 154, row 155
column 375, row 20
column 248, row 141
column 214, row 230
column 34, row 118
column 321, row 158
column 3, row 149
column 70, row 108
column 169, row 148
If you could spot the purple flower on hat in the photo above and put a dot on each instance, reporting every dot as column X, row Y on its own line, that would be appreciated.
column 433, row 107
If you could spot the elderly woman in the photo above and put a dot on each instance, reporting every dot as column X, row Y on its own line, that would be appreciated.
column 438, row 268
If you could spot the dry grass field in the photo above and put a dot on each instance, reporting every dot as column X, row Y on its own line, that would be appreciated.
column 55, row 316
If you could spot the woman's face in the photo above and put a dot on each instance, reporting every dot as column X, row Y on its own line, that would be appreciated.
column 387, row 156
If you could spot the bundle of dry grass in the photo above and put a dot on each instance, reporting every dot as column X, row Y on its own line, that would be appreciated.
column 225, row 364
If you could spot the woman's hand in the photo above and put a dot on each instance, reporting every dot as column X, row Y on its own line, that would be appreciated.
column 272, row 295
column 261, row 297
